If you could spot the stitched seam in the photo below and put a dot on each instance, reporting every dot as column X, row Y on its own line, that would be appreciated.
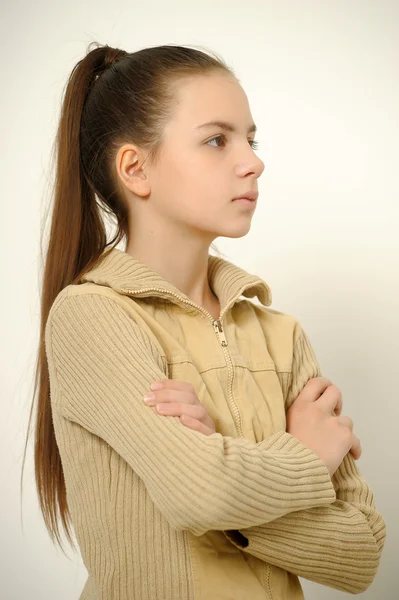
column 269, row 589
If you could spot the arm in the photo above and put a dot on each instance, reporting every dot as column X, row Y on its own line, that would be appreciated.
column 101, row 363
column 337, row 545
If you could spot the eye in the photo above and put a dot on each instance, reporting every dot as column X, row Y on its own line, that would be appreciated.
column 253, row 143
column 218, row 137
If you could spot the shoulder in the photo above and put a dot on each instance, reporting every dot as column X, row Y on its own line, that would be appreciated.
column 89, row 299
column 91, row 311
column 86, row 291
column 277, row 324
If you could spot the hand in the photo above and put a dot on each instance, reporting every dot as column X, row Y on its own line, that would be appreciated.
column 314, row 418
column 178, row 398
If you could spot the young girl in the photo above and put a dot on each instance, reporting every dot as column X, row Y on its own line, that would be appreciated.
column 238, row 476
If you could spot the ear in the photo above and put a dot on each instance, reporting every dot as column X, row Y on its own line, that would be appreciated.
column 129, row 168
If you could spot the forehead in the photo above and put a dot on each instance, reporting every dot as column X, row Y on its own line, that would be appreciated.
column 218, row 99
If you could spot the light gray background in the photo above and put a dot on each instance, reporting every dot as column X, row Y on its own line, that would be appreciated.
column 322, row 81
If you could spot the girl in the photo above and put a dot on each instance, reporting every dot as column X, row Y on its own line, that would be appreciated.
column 238, row 476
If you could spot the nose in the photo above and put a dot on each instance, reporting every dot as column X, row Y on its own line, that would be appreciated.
column 252, row 164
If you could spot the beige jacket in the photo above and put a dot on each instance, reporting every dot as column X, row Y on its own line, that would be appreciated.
column 163, row 512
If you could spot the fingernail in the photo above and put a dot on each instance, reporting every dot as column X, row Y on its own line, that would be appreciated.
column 156, row 386
column 149, row 398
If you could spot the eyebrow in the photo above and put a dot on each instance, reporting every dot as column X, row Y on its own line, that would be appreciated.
column 225, row 125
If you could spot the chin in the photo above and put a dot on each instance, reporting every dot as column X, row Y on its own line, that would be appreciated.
column 236, row 232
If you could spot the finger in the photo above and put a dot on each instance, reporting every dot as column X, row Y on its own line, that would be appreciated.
column 356, row 449
column 196, row 425
column 331, row 400
column 347, row 421
column 169, row 395
column 197, row 412
column 176, row 396
column 174, row 384
column 172, row 389
column 313, row 389
column 338, row 409
column 177, row 409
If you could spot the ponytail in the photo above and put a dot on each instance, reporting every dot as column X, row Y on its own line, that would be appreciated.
column 111, row 96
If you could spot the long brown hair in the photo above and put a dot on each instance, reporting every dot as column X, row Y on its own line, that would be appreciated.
column 111, row 97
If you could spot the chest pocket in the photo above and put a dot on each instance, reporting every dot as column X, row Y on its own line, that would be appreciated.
column 259, row 398
column 237, row 383
column 237, row 395
column 255, row 386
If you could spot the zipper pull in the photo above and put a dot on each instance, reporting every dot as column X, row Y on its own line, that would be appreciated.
column 217, row 324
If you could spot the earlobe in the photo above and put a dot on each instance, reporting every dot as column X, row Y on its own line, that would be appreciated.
column 136, row 181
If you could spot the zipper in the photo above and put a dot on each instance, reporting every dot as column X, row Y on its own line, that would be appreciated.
column 218, row 328
column 217, row 324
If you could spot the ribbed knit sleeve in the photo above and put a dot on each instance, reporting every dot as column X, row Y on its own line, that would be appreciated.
column 304, row 366
column 101, row 364
column 337, row 545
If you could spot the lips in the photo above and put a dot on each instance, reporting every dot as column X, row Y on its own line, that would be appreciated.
column 251, row 195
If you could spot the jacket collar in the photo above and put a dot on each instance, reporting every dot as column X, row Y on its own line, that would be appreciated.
column 127, row 275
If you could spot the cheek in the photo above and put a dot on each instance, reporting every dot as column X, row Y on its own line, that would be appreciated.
column 190, row 189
